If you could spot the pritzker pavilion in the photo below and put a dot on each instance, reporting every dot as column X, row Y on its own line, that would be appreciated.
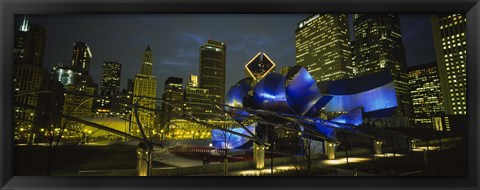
column 267, row 101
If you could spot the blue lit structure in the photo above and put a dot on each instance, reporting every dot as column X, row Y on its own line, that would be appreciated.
column 374, row 93
column 269, row 94
column 353, row 117
column 225, row 140
column 301, row 90
column 236, row 96
column 297, row 96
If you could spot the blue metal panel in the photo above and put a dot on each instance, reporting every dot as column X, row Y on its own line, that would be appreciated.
column 326, row 131
column 315, row 110
column 372, row 100
column 353, row 117
column 269, row 94
column 301, row 90
column 236, row 95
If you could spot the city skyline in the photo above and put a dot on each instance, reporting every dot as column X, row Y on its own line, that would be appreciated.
column 250, row 35
column 332, row 93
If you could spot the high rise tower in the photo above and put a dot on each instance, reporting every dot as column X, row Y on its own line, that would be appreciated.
column 173, row 98
column 111, row 72
column 29, row 44
column 29, row 75
column 147, row 62
column 451, row 51
column 426, row 94
column 213, row 69
column 144, row 93
column 322, row 46
column 81, row 58
column 378, row 46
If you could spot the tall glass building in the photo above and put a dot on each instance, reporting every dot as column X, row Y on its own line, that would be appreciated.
column 322, row 46
column 29, row 43
column 111, row 72
column 173, row 95
column 212, row 69
column 451, row 51
column 426, row 95
column 197, row 99
column 379, row 46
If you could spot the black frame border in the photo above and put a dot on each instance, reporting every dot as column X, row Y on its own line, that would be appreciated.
column 10, row 7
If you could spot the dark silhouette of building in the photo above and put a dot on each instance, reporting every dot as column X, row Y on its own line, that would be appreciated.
column 213, row 69
column 109, row 87
column 81, row 58
column 29, row 44
column 111, row 73
column 173, row 98
column 29, row 76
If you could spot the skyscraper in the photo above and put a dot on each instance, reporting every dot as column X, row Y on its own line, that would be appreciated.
column 451, row 52
column 28, row 75
column 379, row 46
column 111, row 72
column 197, row 100
column 426, row 94
column 145, row 92
column 322, row 47
column 81, row 58
column 29, row 44
column 172, row 96
column 80, row 95
column 213, row 69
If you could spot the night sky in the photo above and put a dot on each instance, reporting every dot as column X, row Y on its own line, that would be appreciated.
column 175, row 41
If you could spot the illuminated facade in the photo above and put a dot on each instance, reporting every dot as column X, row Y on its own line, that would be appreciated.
column 111, row 72
column 28, row 78
column 121, row 107
column 109, row 87
column 81, row 58
column 145, row 87
column 197, row 100
column 64, row 74
column 213, row 69
column 451, row 51
column 374, row 93
column 78, row 101
column 379, row 46
column 184, row 129
column 322, row 46
column 259, row 66
column 298, row 95
column 426, row 93
column 225, row 140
